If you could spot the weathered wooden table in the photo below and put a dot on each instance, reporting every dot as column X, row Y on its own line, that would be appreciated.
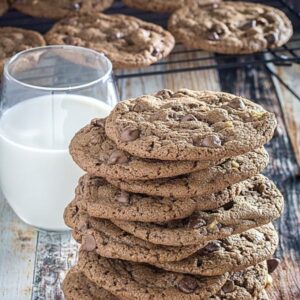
column 33, row 264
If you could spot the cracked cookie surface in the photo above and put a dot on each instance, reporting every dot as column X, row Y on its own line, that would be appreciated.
column 14, row 40
column 58, row 9
column 258, row 204
column 204, row 182
column 231, row 27
column 127, row 41
column 189, row 125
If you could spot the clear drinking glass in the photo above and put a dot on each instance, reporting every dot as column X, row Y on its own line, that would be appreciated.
column 47, row 95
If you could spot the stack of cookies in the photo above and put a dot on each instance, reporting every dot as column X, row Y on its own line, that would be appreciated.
column 173, row 205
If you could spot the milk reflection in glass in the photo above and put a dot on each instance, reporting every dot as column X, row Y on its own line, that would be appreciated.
column 39, row 143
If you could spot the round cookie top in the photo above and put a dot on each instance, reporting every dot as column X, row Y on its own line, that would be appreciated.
column 103, row 237
column 77, row 287
column 126, row 41
column 96, row 154
column 189, row 125
column 137, row 281
column 231, row 254
column 58, row 9
column 102, row 200
column 14, row 40
column 165, row 5
column 3, row 7
column 204, row 182
column 258, row 203
column 231, row 27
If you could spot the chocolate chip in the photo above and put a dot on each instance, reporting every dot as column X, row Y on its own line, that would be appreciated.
column 271, row 38
column 199, row 263
column 129, row 134
column 117, row 157
column 76, row 6
column 164, row 94
column 196, row 221
column 211, row 141
column 260, row 188
column 228, row 205
column 123, row 197
column 228, row 287
column 88, row 243
column 213, row 36
column 211, row 247
column 272, row 264
column 237, row 103
column 155, row 51
column 188, row 284
column 69, row 40
column 248, row 25
column 189, row 117
column 98, row 122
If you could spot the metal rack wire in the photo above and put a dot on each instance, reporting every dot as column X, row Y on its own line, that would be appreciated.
column 183, row 60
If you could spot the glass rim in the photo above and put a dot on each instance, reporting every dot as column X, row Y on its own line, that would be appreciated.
column 103, row 78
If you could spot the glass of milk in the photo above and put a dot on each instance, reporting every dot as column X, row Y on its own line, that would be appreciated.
column 47, row 95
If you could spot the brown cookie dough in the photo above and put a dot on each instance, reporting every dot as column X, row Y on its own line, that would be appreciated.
column 96, row 154
column 127, row 41
column 3, row 7
column 58, row 9
column 189, row 125
column 14, row 40
column 165, row 5
column 137, row 281
column 231, row 27
column 233, row 254
column 77, row 287
column 259, row 204
column 204, row 182
column 103, row 237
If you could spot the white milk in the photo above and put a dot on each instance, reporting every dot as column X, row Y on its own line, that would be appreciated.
column 38, row 176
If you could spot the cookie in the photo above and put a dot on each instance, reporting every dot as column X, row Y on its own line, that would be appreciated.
column 232, row 254
column 127, row 41
column 189, row 125
column 99, row 156
column 103, row 237
column 102, row 200
column 263, row 295
column 77, row 287
column 58, row 9
column 248, row 284
column 14, row 40
column 231, row 27
column 137, row 281
column 201, row 183
column 258, row 204
column 165, row 5
column 3, row 7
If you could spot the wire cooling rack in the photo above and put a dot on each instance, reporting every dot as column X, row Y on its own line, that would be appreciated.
column 183, row 60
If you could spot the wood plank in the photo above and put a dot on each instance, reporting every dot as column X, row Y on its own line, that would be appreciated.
column 17, row 254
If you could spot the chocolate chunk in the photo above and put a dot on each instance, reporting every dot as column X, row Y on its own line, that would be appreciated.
column 188, row 284
column 189, row 117
column 211, row 141
column 196, row 221
column 228, row 287
column 213, row 36
column 228, row 205
column 88, row 243
column 76, row 6
column 129, row 134
column 199, row 263
column 212, row 247
column 123, row 197
column 98, row 122
column 155, row 51
column 248, row 25
column 117, row 157
column 272, row 264
column 164, row 94
column 237, row 103
column 271, row 38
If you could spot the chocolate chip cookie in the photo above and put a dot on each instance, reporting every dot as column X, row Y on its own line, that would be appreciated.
column 189, row 125
column 3, row 7
column 103, row 237
column 258, row 204
column 204, row 182
column 14, row 40
column 77, row 287
column 95, row 153
column 137, row 281
column 231, row 27
column 165, row 5
column 58, row 9
column 232, row 254
column 127, row 41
